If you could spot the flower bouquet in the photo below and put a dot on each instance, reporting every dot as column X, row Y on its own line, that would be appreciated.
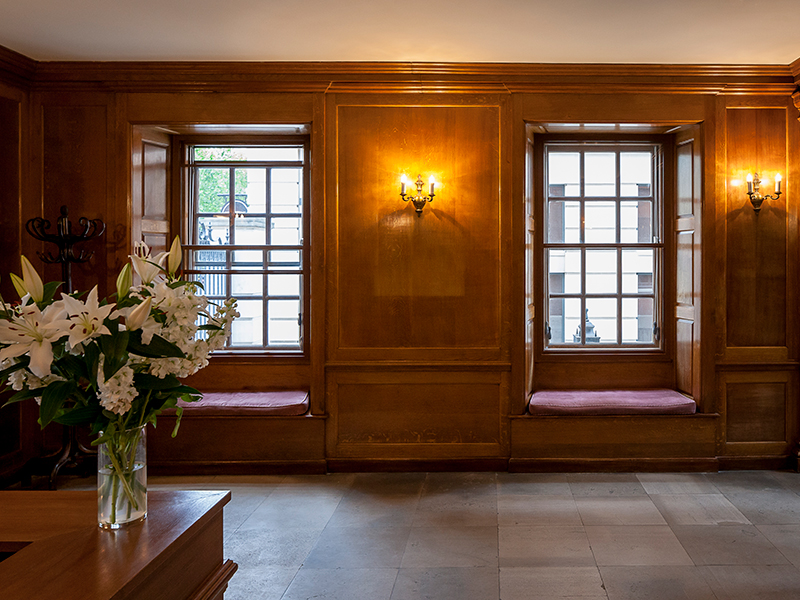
column 114, row 366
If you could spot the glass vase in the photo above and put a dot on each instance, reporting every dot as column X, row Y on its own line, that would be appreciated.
column 122, row 479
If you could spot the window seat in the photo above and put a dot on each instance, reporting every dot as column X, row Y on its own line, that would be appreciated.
column 610, row 402
column 276, row 403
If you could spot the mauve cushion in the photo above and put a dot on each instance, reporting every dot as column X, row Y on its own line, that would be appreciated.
column 611, row 402
column 282, row 403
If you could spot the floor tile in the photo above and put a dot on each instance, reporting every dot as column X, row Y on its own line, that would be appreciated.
column 624, row 510
column 698, row 509
column 451, row 547
column 341, row 584
column 544, row 546
column 786, row 538
column 273, row 548
column 537, row 510
column 758, row 582
column 788, row 479
column 656, row 583
column 636, row 545
column 472, row 583
column 605, row 484
column 359, row 547
column 745, row 481
column 768, row 508
column 530, row 484
column 472, row 483
column 368, row 510
column 521, row 583
column 676, row 483
column 388, row 483
column 727, row 545
column 456, row 510
column 281, row 510
column 264, row 583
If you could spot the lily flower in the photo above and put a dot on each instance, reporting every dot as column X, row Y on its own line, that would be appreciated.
column 138, row 315
column 175, row 256
column 33, row 283
column 147, row 268
column 30, row 332
column 124, row 281
column 83, row 320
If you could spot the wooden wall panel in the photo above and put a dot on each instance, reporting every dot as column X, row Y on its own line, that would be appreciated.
column 756, row 244
column 417, row 415
column 418, row 282
column 75, row 174
column 756, row 412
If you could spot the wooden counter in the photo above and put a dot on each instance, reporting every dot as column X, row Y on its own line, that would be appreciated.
column 61, row 554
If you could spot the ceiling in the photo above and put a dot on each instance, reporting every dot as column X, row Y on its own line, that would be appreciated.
column 526, row 31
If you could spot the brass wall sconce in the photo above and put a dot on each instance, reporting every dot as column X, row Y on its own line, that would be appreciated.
column 419, row 199
column 753, row 185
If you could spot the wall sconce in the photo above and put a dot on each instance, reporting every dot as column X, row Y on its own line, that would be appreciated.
column 419, row 199
column 753, row 185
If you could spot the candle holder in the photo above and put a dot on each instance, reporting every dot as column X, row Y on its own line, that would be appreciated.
column 419, row 199
column 756, row 198
column 72, row 451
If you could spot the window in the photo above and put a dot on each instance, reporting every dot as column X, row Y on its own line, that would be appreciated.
column 603, row 245
column 248, row 232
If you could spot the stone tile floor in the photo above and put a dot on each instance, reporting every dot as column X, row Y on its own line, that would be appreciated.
column 488, row 536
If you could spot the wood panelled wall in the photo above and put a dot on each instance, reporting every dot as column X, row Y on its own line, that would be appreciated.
column 417, row 338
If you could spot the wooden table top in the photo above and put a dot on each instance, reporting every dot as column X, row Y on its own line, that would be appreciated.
column 65, row 555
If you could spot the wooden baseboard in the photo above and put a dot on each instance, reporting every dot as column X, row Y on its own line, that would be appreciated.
column 389, row 465
column 295, row 467
column 611, row 465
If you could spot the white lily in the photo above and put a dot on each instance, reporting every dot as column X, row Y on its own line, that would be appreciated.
column 147, row 268
column 33, row 283
column 138, row 315
column 84, row 320
column 124, row 281
column 30, row 332
column 175, row 256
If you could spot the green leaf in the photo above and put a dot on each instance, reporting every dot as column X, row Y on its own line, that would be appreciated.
column 145, row 381
column 209, row 327
column 79, row 416
column 178, row 415
column 53, row 398
column 157, row 348
column 50, row 289
column 114, row 348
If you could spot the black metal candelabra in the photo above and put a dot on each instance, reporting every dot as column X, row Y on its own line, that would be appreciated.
column 72, row 451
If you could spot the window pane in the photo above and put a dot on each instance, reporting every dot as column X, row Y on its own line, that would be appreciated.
column 251, row 190
column 564, row 318
column 283, row 285
column 564, row 174
column 601, row 222
column 636, row 173
column 247, row 285
column 287, row 190
column 637, row 320
column 240, row 153
column 285, row 231
column 250, row 231
column 563, row 222
column 637, row 271
column 214, row 285
column 284, row 325
column 213, row 189
column 636, row 221
column 601, row 271
column 247, row 260
column 600, row 174
column 213, row 231
column 285, row 259
column 601, row 321
column 567, row 265
column 248, row 329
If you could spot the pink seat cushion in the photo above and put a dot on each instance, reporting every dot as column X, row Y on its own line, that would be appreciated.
column 610, row 402
column 284, row 403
